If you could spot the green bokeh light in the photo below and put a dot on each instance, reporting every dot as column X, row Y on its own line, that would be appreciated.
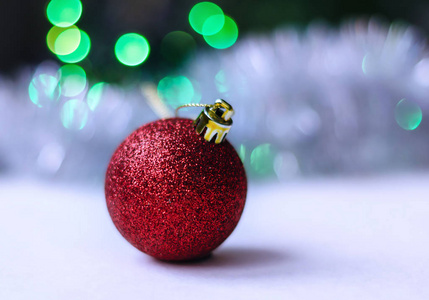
column 197, row 91
column 132, row 49
column 408, row 115
column 213, row 24
column 67, row 42
column 72, row 80
column 64, row 13
column 74, row 114
column 369, row 64
column 176, row 46
column 63, row 41
column 221, row 82
column 95, row 94
column 176, row 91
column 43, row 89
column 242, row 153
column 81, row 51
column 262, row 160
column 226, row 37
column 206, row 18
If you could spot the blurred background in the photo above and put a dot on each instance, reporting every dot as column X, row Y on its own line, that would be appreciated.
column 319, row 87
column 332, row 105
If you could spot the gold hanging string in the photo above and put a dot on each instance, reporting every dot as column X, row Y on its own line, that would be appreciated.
column 191, row 105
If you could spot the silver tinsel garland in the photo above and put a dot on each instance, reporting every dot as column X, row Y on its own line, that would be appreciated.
column 313, row 102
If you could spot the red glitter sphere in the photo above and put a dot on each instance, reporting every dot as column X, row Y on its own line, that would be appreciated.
column 172, row 194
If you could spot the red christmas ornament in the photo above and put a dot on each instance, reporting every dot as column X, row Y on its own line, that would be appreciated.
column 171, row 193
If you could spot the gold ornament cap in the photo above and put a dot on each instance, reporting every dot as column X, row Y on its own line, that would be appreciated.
column 215, row 121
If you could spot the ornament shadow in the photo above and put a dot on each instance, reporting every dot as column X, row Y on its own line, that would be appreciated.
column 232, row 262
column 244, row 257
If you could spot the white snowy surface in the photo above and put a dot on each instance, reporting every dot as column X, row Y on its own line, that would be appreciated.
column 365, row 238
